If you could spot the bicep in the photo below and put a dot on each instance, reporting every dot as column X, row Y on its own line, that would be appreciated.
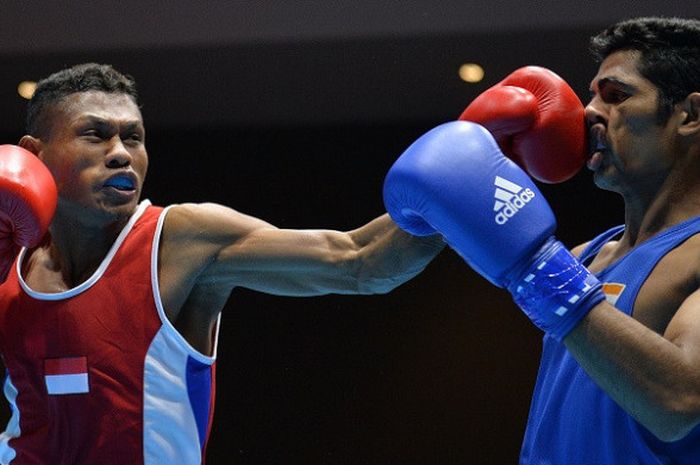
column 271, row 249
column 233, row 249
column 289, row 262
column 684, row 328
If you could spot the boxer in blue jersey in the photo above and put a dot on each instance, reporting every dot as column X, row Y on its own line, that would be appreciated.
column 619, row 382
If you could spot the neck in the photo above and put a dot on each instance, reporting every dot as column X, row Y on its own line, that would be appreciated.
column 673, row 200
column 77, row 247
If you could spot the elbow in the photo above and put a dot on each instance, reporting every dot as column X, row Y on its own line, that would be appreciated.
column 671, row 432
column 676, row 421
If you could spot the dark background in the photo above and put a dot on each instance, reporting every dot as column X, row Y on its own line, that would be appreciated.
column 293, row 112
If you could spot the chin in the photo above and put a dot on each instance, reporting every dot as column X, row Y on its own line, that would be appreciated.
column 607, row 183
column 124, row 210
column 110, row 211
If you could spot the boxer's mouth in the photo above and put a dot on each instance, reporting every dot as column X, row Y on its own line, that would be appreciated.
column 597, row 147
column 122, row 182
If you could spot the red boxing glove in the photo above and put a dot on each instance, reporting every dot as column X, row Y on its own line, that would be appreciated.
column 537, row 120
column 28, row 198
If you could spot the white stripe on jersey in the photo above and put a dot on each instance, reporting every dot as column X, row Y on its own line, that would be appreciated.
column 7, row 453
column 170, row 433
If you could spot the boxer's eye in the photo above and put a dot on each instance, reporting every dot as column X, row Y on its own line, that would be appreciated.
column 612, row 91
column 614, row 95
column 132, row 139
column 93, row 134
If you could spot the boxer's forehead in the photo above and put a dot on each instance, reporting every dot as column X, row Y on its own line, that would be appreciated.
column 618, row 68
column 108, row 108
column 101, row 105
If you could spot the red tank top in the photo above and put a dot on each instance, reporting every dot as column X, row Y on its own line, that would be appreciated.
column 96, row 375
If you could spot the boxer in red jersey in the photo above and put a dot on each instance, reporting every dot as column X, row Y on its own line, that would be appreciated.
column 108, row 327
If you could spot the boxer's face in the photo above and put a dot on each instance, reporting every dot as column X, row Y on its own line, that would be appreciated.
column 95, row 150
column 632, row 150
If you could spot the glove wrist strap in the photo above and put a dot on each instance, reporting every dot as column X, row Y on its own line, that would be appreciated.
column 554, row 289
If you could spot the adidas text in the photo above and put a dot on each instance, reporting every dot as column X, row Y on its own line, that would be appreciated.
column 512, row 207
column 510, row 198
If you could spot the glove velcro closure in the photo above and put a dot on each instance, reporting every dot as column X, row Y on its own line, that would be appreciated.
column 554, row 289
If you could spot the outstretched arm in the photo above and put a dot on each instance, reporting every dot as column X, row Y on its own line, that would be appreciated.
column 222, row 247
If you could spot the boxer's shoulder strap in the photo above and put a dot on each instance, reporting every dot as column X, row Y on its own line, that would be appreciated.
column 596, row 244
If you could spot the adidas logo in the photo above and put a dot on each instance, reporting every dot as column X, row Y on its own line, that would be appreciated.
column 510, row 198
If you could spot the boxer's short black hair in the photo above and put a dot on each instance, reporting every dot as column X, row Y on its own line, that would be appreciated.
column 79, row 78
column 670, row 54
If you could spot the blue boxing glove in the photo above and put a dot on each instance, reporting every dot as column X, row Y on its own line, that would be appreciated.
column 454, row 180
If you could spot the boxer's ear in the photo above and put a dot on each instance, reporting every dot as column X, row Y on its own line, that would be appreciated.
column 30, row 143
column 691, row 123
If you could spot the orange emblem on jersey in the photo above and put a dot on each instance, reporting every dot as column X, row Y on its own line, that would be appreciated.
column 612, row 292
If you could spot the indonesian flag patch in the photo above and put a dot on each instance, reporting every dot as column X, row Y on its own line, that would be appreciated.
column 66, row 375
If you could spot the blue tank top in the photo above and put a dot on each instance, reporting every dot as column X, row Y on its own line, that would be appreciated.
column 572, row 421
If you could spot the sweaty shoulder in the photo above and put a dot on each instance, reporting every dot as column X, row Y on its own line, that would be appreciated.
column 206, row 227
column 193, row 237
column 674, row 278
column 682, row 262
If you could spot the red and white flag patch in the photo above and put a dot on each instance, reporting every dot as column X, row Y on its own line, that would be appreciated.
column 66, row 375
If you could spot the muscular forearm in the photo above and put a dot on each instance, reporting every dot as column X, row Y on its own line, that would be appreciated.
column 388, row 257
column 651, row 378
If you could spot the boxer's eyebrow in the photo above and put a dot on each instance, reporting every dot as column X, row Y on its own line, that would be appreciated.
column 106, row 124
column 605, row 83
column 95, row 119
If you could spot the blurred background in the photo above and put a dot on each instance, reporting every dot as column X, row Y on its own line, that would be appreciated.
column 293, row 111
